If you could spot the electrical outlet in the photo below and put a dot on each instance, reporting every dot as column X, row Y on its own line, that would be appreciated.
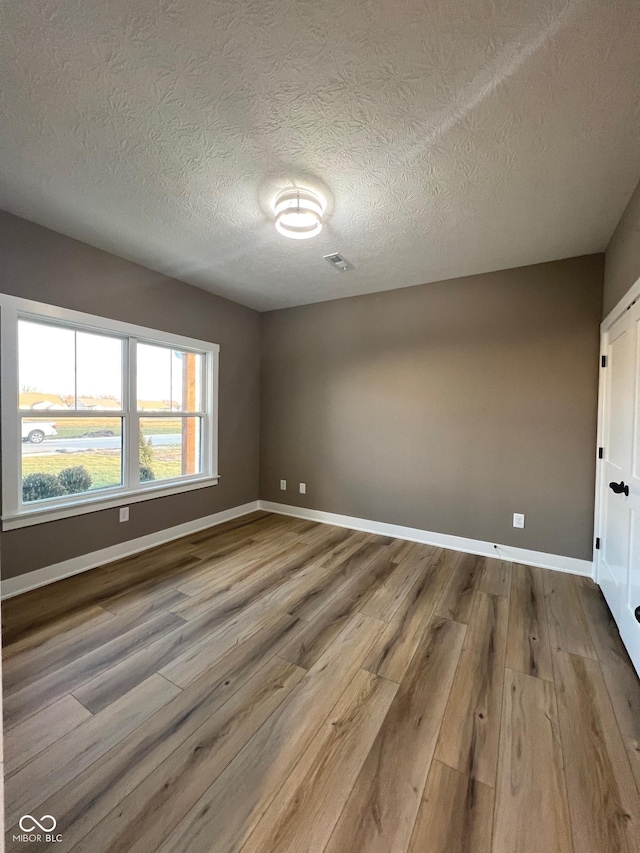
column 283, row 485
column 303, row 488
column 124, row 513
column 518, row 519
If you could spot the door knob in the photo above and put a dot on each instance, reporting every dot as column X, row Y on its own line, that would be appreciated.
column 637, row 613
column 619, row 488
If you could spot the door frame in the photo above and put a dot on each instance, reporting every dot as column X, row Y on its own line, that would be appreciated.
column 629, row 299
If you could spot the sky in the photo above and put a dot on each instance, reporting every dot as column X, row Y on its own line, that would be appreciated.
column 47, row 359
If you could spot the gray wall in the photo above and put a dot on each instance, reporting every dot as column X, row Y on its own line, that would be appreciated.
column 37, row 263
column 622, row 260
column 445, row 407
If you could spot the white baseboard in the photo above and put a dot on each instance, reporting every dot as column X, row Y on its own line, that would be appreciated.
column 442, row 540
column 76, row 565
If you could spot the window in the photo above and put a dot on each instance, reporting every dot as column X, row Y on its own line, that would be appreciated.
column 98, row 413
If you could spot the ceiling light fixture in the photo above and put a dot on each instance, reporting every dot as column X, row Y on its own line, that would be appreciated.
column 299, row 213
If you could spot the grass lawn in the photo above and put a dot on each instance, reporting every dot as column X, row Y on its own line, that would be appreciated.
column 103, row 465
column 162, row 426
column 75, row 428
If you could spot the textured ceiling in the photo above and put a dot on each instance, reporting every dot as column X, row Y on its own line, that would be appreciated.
column 452, row 136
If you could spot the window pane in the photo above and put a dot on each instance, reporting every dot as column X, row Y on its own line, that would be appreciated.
column 53, row 360
column 169, row 447
column 70, row 456
column 169, row 380
column 154, row 378
column 187, row 381
column 46, row 366
column 99, row 371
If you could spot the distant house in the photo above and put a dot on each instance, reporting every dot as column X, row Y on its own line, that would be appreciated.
column 51, row 402
column 44, row 405
column 40, row 400
column 98, row 405
column 159, row 406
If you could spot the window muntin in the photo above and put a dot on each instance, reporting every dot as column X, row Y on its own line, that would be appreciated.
column 91, row 374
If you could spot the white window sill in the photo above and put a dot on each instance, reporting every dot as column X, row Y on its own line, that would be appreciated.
column 43, row 514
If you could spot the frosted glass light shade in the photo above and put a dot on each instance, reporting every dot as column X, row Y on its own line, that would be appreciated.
column 299, row 214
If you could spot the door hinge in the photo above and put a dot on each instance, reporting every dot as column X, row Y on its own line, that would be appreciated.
column 603, row 361
column 601, row 453
column 598, row 543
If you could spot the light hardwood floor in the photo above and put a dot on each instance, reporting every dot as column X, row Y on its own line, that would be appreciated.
column 279, row 685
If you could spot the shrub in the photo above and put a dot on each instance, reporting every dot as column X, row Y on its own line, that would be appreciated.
column 76, row 479
column 146, row 452
column 37, row 487
column 146, row 474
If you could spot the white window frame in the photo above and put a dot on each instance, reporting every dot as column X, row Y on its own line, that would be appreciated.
column 16, row 514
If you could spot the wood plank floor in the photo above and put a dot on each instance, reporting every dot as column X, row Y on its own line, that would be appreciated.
column 274, row 684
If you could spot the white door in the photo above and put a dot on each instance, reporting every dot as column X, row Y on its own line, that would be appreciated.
column 619, row 554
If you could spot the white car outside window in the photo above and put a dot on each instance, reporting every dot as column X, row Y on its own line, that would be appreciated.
column 35, row 433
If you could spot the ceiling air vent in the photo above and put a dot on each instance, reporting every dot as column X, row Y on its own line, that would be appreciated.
column 338, row 262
